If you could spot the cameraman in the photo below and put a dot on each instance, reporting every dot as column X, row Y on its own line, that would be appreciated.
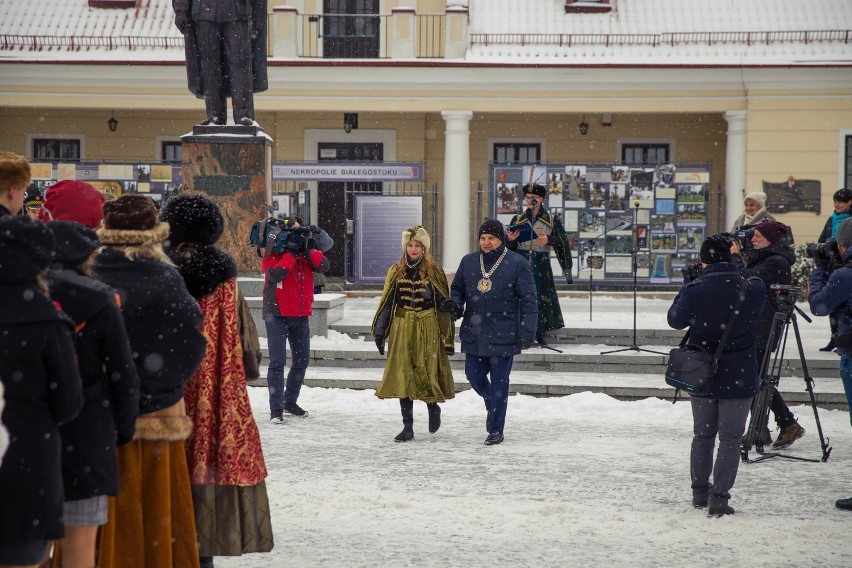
column 831, row 293
column 842, row 211
column 772, row 260
column 288, row 296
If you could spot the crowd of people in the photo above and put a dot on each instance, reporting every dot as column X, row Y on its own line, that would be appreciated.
column 126, row 345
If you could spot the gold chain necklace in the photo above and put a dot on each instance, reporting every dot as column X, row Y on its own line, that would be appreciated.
column 484, row 285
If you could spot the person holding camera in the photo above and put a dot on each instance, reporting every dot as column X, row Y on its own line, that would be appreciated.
column 831, row 293
column 413, row 317
column 549, row 236
column 772, row 259
column 754, row 211
column 842, row 211
column 494, row 291
column 288, row 297
column 704, row 305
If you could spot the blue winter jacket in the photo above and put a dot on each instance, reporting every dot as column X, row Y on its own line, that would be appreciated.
column 495, row 321
column 704, row 305
column 833, row 293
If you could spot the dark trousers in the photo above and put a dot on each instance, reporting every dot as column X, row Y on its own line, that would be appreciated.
column 727, row 418
column 495, row 392
column 226, row 49
column 280, row 330
column 783, row 415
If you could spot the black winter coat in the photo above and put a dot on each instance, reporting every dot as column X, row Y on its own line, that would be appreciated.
column 773, row 265
column 704, row 305
column 162, row 322
column 110, row 386
column 495, row 321
column 42, row 387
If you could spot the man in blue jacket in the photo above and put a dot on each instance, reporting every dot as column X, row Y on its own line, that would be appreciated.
column 495, row 292
column 831, row 293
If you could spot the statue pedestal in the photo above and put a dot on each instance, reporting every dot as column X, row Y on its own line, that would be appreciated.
column 232, row 165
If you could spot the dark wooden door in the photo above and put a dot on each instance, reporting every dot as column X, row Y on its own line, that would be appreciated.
column 350, row 29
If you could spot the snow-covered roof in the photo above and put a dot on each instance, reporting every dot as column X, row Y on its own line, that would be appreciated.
column 633, row 32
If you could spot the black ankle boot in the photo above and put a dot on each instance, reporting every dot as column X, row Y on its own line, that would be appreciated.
column 434, row 416
column 206, row 561
column 407, row 433
column 830, row 346
column 406, row 407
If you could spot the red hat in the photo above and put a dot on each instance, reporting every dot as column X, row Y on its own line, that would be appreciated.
column 73, row 200
column 772, row 231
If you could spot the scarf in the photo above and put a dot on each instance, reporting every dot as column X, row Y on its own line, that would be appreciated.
column 836, row 219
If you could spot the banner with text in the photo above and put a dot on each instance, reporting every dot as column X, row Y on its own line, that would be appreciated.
column 345, row 171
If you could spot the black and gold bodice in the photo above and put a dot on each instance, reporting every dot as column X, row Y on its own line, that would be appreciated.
column 413, row 292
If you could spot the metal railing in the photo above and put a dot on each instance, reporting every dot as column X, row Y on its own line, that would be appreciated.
column 365, row 36
column 77, row 43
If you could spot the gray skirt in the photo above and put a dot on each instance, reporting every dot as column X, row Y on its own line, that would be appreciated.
column 87, row 512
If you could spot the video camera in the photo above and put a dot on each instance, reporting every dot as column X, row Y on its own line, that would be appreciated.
column 785, row 295
column 744, row 233
column 280, row 235
column 825, row 253
column 691, row 272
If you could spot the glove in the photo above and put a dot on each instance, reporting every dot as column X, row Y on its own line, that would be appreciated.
column 821, row 262
column 181, row 21
column 525, row 344
column 380, row 343
column 454, row 309
column 450, row 350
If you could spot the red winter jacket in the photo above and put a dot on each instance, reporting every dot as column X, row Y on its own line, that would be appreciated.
column 288, row 287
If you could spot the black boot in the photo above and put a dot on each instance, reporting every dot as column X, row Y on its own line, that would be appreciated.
column 830, row 346
column 406, row 406
column 206, row 561
column 434, row 416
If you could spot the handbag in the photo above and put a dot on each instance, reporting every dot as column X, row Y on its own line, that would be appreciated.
column 692, row 367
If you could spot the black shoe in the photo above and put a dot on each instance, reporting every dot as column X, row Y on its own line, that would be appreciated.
column 277, row 417
column 829, row 347
column 494, row 438
column 214, row 121
column 245, row 121
column 434, row 417
column 294, row 409
column 206, row 561
column 541, row 341
column 845, row 504
column 720, row 511
column 699, row 502
column 406, row 435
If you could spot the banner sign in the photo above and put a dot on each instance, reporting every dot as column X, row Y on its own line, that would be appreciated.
column 347, row 171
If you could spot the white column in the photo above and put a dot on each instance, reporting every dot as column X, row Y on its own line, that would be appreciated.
column 456, row 233
column 735, row 166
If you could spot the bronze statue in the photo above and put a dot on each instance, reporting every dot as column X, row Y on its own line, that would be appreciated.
column 225, row 54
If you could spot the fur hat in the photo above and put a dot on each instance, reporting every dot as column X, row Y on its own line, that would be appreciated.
column 493, row 227
column 132, row 220
column 193, row 218
column 757, row 196
column 772, row 230
column 715, row 248
column 843, row 194
column 416, row 233
column 73, row 200
column 26, row 248
column 844, row 233
column 74, row 242
column 537, row 189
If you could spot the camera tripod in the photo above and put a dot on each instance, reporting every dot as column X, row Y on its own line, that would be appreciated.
column 769, row 377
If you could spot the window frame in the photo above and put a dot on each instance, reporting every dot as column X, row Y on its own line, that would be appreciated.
column 32, row 139
column 646, row 145
column 517, row 145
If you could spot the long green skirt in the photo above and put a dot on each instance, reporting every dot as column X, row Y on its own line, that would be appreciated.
column 417, row 365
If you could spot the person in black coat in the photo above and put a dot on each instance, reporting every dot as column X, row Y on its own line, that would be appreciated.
column 772, row 260
column 41, row 380
column 493, row 289
column 704, row 305
column 842, row 211
column 110, row 387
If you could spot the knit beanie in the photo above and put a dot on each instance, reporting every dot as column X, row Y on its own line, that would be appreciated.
column 843, row 194
column 844, row 233
column 132, row 220
column 715, row 248
column 536, row 190
column 74, row 242
column 26, row 248
column 757, row 196
column 193, row 218
column 73, row 200
column 416, row 233
column 33, row 200
column 493, row 227
column 772, row 230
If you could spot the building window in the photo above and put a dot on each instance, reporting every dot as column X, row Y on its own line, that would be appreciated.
column 517, row 153
column 645, row 154
column 56, row 149
column 350, row 29
column 171, row 152
column 587, row 6
column 847, row 171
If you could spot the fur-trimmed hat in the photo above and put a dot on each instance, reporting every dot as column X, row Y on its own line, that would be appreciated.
column 26, row 248
column 715, row 248
column 416, row 233
column 74, row 242
column 132, row 220
column 193, row 218
column 757, row 196
column 493, row 227
column 73, row 200
column 772, row 230
column 536, row 189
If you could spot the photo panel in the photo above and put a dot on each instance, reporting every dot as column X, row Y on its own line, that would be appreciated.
column 663, row 224
column 161, row 173
column 663, row 242
column 661, row 270
column 506, row 218
column 574, row 183
column 508, row 199
column 129, row 187
column 642, row 237
column 591, row 223
column 619, row 264
column 643, row 265
column 555, row 184
column 616, row 197
column 569, row 221
column 691, row 214
column 620, row 174
column 619, row 244
column 143, row 172
column 680, row 261
column 597, row 195
column 664, row 175
column 689, row 239
column 690, row 193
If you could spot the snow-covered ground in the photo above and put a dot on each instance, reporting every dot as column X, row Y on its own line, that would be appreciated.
column 580, row 480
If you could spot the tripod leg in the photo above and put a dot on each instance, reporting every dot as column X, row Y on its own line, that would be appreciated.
column 809, row 385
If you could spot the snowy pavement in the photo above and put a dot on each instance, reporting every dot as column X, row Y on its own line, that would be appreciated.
column 580, row 480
